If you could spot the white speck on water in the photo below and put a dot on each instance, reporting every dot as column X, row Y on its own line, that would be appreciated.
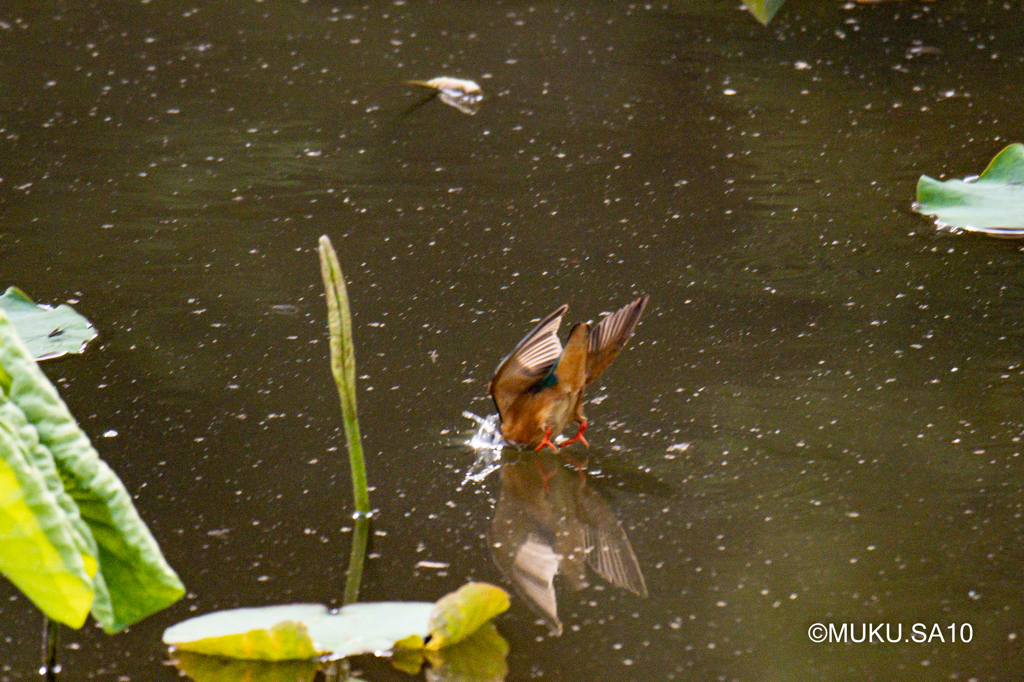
column 432, row 564
column 110, row 434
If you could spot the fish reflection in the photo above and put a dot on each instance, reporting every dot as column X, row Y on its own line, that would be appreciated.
column 548, row 522
column 464, row 95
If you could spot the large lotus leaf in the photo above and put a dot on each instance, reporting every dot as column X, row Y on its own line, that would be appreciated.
column 992, row 204
column 461, row 613
column 202, row 668
column 371, row 628
column 133, row 580
column 275, row 633
column 47, row 332
column 288, row 632
column 269, row 633
column 763, row 10
column 39, row 554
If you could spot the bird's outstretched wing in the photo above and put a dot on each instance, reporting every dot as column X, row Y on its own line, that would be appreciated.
column 529, row 362
column 609, row 336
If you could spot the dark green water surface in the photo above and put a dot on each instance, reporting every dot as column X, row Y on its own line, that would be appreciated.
column 820, row 418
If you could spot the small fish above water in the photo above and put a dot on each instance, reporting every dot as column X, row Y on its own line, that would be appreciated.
column 462, row 94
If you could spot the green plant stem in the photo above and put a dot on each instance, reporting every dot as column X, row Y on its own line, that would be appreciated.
column 343, row 366
column 50, row 666
column 360, row 536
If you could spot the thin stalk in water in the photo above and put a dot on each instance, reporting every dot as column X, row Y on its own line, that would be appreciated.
column 50, row 666
column 360, row 536
column 343, row 366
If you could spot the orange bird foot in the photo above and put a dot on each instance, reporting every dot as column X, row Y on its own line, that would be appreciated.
column 546, row 441
column 578, row 437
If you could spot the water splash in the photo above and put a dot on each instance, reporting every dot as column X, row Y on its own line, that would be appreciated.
column 487, row 442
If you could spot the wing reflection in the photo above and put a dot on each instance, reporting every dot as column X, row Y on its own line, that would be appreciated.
column 547, row 522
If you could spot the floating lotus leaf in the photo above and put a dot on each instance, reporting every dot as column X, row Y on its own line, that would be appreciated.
column 279, row 633
column 202, row 668
column 301, row 631
column 270, row 633
column 371, row 628
column 992, row 204
column 461, row 613
column 47, row 332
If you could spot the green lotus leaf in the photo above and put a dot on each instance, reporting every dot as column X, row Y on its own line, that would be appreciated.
column 763, row 10
column 459, row 614
column 47, row 332
column 269, row 633
column 291, row 632
column 203, row 668
column 372, row 628
column 478, row 658
column 68, row 486
column 40, row 554
column 409, row 660
column 992, row 204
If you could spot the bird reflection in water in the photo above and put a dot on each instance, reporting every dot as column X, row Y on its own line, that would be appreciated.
column 549, row 522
